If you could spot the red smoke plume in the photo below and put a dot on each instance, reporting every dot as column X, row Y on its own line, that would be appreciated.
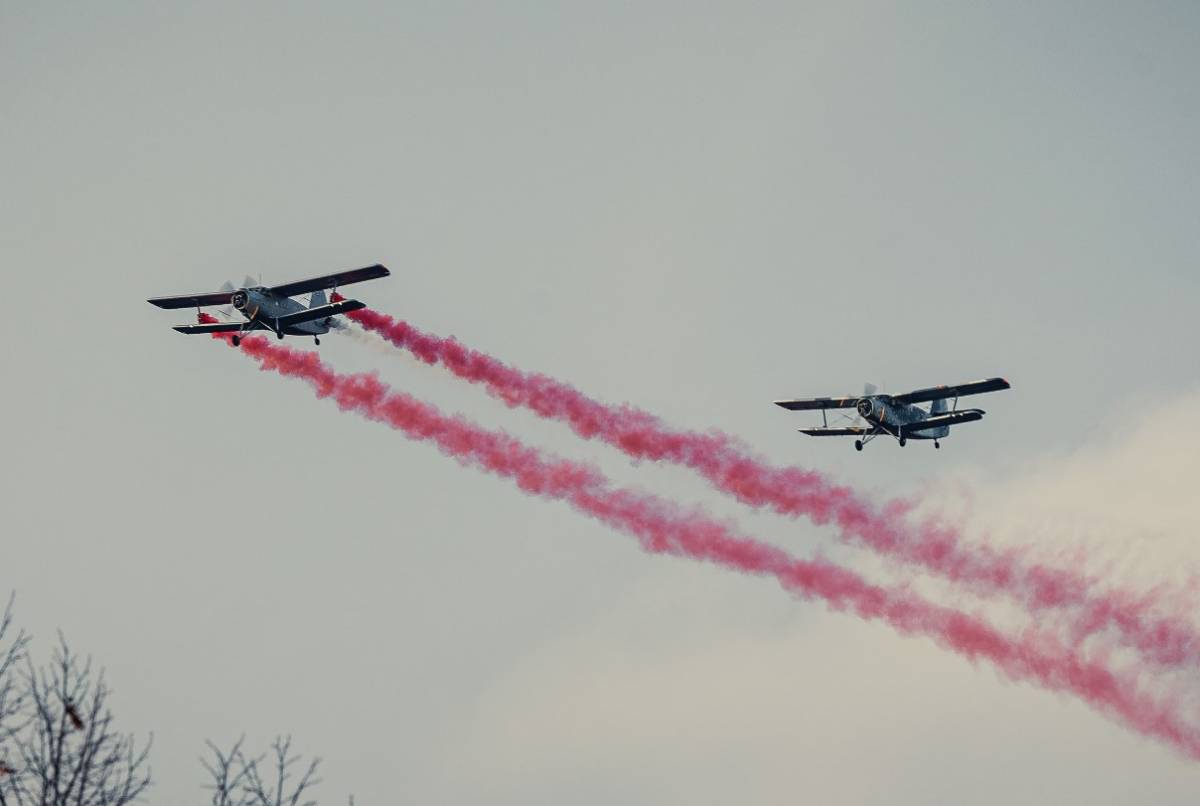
column 663, row 528
column 732, row 468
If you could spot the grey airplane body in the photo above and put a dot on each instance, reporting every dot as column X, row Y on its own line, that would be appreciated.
column 898, row 416
column 272, row 307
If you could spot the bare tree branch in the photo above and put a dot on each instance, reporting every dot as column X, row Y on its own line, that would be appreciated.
column 69, row 751
column 239, row 780
column 59, row 746
column 13, row 718
column 229, row 773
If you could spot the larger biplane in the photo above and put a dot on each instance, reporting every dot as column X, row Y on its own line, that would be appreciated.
column 272, row 307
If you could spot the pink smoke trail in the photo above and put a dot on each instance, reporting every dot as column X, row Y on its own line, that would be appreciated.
column 663, row 528
column 732, row 468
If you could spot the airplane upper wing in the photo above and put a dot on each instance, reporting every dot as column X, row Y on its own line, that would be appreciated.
column 320, row 312
column 959, row 390
column 818, row 403
column 193, row 300
column 851, row 431
column 331, row 280
column 952, row 418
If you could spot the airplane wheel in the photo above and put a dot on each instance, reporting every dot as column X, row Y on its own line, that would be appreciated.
column 903, row 441
column 237, row 340
column 937, row 444
column 858, row 444
column 316, row 341
column 279, row 336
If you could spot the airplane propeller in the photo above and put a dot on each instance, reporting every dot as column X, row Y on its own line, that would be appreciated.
column 856, row 419
column 226, row 311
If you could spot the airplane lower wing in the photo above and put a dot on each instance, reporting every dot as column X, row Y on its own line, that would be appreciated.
column 218, row 327
column 852, row 431
column 953, row 418
column 320, row 312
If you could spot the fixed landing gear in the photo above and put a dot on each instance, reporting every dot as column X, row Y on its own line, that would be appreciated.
column 317, row 340
column 279, row 335
column 237, row 340
column 937, row 444
column 858, row 444
column 903, row 441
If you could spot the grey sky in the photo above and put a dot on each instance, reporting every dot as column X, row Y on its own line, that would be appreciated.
column 695, row 208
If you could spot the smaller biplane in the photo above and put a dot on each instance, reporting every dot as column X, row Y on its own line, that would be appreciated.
column 898, row 415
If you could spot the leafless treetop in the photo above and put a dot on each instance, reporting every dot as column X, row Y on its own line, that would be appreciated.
column 65, row 749
column 270, row 779
column 13, row 717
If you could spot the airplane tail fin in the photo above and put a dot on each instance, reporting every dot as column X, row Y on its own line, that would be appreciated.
column 938, row 406
column 317, row 299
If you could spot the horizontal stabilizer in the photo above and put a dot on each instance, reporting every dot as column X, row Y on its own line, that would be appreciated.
column 953, row 418
column 320, row 312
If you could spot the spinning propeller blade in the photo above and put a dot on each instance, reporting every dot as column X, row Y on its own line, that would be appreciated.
column 226, row 311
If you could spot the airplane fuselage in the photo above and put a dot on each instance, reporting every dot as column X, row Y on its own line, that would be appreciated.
column 884, row 413
column 259, row 304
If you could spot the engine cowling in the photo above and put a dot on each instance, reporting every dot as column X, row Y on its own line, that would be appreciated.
column 239, row 299
column 873, row 408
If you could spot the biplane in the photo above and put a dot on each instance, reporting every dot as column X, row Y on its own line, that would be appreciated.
column 272, row 307
column 898, row 416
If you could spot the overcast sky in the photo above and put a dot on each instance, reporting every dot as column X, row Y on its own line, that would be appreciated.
column 697, row 208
